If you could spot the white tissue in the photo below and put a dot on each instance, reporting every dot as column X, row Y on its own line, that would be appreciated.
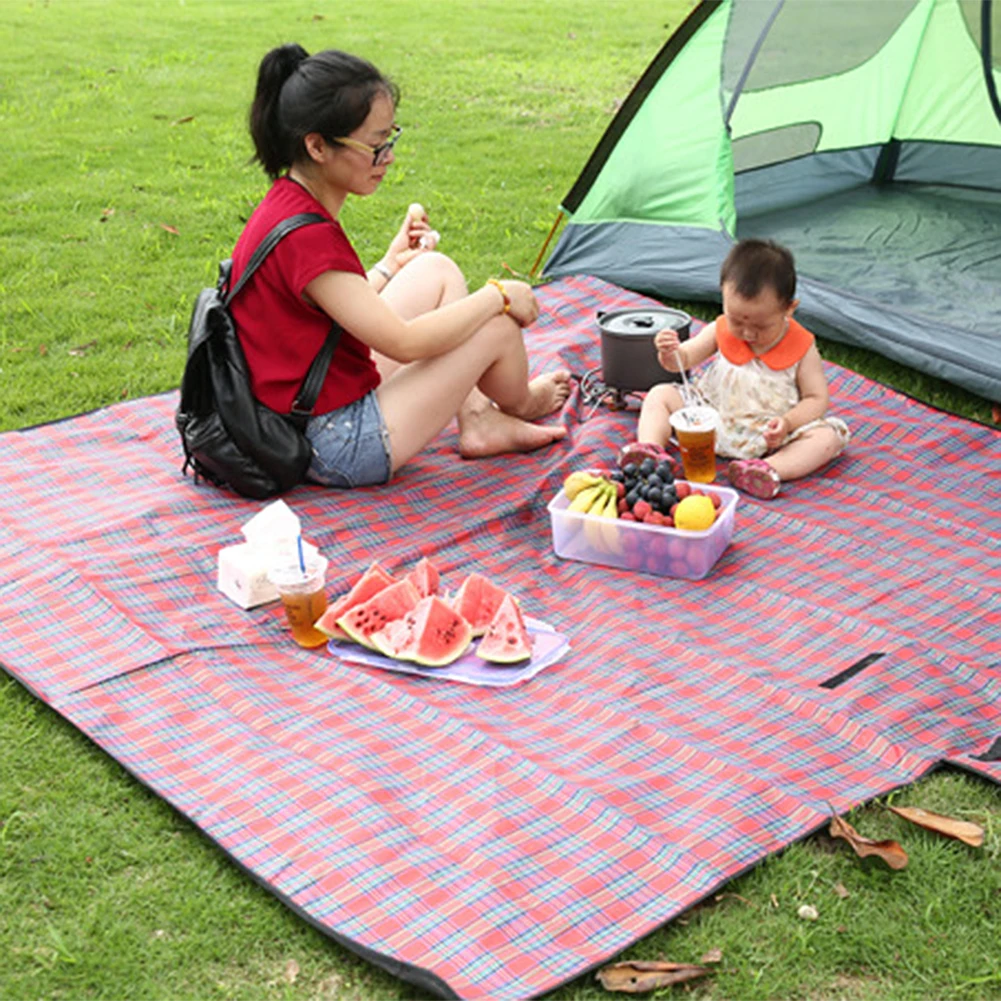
column 271, row 536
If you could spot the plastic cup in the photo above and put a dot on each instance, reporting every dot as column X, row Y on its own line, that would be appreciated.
column 304, row 598
column 695, row 429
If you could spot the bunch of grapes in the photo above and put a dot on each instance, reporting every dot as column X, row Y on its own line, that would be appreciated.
column 650, row 493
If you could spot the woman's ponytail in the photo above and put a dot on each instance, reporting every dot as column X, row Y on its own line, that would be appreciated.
column 273, row 150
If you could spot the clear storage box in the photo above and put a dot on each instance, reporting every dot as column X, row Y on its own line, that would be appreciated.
column 633, row 545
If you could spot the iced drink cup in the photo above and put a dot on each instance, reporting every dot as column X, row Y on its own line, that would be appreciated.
column 304, row 598
column 695, row 429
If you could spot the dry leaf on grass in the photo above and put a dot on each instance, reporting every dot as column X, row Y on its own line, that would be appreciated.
column 291, row 971
column 640, row 976
column 962, row 830
column 712, row 956
column 81, row 349
column 184, row 120
column 841, row 890
column 889, row 851
column 170, row 229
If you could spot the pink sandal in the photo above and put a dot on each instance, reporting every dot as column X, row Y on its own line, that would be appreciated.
column 754, row 477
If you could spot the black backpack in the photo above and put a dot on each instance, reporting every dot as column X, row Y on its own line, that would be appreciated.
column 229, row 438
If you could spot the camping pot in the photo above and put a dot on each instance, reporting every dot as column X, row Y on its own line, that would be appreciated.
column 628, row 356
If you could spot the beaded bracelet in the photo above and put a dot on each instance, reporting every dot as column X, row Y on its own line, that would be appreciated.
column 500, row 288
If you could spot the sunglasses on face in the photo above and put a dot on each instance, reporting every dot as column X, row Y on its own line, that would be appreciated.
column 379, row 153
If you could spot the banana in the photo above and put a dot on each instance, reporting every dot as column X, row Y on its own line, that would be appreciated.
column 580, row 480
column 586, row 498
column 594, row 526
column 609, row 522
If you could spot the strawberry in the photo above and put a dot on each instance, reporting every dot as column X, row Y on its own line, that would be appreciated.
column 641, row 509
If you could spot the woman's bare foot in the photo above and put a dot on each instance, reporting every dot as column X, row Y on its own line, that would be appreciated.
column 485, row 430
column 546, row 393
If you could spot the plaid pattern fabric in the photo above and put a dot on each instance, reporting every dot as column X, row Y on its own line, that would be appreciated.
column 498, row 842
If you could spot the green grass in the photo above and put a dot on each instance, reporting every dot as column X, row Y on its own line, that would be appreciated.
column 120, row 119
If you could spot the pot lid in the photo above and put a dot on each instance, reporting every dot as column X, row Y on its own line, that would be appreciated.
column 642, row 321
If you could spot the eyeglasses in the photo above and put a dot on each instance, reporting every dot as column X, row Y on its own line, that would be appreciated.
column 379, row 153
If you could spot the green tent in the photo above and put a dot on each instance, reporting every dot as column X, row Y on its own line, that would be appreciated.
column 863, row 134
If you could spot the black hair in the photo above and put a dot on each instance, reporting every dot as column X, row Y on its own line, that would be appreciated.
column 753, row 265
column 330, row 92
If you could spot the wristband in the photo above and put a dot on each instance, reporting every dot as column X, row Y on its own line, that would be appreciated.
column 500, row 288
column 383, row 270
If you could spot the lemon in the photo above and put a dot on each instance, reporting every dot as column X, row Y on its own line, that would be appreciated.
column 695, row 513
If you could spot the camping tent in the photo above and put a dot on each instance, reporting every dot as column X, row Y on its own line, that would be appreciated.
column 863, row 134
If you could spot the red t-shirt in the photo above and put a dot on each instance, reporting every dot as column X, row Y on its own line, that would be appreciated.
column 281, row 333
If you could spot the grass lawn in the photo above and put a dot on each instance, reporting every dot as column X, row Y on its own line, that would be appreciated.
column 125, row 179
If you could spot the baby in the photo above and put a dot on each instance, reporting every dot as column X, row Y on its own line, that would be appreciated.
column 765, row 379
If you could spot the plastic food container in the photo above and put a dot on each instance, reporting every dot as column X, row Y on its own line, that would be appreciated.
column 632, row 545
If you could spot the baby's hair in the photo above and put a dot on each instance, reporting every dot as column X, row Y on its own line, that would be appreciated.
column 753, row 265
column 330, row 93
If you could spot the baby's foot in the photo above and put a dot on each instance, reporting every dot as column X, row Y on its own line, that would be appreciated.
column 754, row 477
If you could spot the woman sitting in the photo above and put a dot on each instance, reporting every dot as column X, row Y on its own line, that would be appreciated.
column 418, row 348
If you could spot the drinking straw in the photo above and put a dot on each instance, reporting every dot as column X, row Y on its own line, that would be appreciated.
column 687, row 389
column 302, row 561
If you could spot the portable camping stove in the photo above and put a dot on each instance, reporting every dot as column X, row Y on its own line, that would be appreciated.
column 628, row 355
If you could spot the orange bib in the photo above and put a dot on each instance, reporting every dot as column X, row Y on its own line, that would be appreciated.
column 791, row 347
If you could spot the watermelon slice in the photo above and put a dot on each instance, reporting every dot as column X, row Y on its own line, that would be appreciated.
column 477, row 600
column 425, row 577
column 432, row 634
column 371, row 582
column 390, row 603
column 506, row 640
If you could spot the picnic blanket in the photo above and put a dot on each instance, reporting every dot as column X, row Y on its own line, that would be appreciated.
column 500, row 841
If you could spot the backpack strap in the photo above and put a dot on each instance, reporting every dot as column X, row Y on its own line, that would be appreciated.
column 305, row 399
column 268, row 244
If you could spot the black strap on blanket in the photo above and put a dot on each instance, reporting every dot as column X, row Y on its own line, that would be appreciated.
column 849, row 672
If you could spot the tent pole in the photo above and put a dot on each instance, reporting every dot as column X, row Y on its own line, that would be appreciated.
column 542, row 252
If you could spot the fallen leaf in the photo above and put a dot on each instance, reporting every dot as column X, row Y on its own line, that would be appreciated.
column 841, row 890
column 82, row 349
column 774, row 900
column 42, row 349
column 639, row 976
column 291, row 971
column 318, row 17
column 106, row 214
column 889, row 851
column 734, row 896
column 182, row 121
column 962, row 830
column 169, row 229
column 712, row 956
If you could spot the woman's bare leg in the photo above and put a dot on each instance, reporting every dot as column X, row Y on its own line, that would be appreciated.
column 428, row 282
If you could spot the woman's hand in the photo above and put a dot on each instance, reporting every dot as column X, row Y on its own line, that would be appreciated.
column 406, row 245
column 668, row 345
column 524, row 306
column 775, row 433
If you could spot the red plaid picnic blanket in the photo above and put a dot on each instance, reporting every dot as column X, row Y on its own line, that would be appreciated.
column 498, row 842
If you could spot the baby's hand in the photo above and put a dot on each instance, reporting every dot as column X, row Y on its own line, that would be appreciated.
column 667, row 343
column 775, row 433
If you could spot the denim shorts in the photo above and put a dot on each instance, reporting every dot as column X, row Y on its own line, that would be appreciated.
column 350, row 445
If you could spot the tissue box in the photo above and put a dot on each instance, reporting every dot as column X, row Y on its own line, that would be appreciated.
column 243, row 576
